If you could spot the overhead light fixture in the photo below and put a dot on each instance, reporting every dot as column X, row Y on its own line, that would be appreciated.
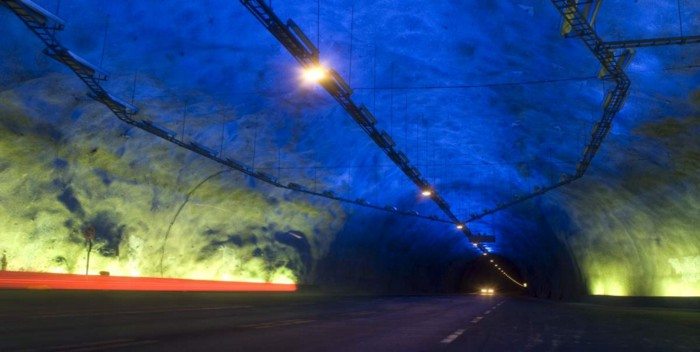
column 426, row 192
column 314, row 74
column 460, row 226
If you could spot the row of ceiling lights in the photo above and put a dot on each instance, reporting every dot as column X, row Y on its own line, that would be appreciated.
column 500, row 269
column 316, row 74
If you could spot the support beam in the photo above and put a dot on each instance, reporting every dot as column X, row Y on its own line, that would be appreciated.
column 291, row 37
column 578, row 17
column 91, row 75
column 639, row 43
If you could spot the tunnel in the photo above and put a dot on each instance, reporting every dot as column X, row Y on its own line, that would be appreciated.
column 455, row 155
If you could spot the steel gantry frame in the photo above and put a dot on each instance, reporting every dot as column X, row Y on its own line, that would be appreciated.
column 614, row 57
column 613, row 68
column 306, row 53
column 578, row 18
column 44, row 25
column 639, row 43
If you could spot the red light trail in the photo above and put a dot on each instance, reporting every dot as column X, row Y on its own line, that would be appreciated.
column 47, row 281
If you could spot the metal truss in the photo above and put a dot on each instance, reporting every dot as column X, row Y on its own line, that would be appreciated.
column 638, row 43
column 614, row 58
column 44, row 25
column 304, row 51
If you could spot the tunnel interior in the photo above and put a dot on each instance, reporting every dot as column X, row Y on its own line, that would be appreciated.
column 489, row 102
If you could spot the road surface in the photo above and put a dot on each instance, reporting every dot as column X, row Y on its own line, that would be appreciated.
column 171, row 321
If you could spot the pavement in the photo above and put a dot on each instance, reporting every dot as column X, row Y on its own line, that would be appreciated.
column 33, row 320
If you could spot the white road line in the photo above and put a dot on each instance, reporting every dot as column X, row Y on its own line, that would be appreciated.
column 476, row 320
column 487, row 312
column 453, row 336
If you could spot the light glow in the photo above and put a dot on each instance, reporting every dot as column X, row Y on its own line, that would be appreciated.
column 314, row 74
column 427, row 193
column 46, row 281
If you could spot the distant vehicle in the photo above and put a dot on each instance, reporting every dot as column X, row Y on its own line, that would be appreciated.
column 487, row 291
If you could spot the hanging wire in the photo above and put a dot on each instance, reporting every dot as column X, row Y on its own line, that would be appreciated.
column 318, row 25
column 184, row 120
column 352, row 30
column 374, row 105
column 58, row 8
column 133, row 91
column 221, row 144
column 104, row 41
column 680, row 20
column 391, row 102
column 255, row 141
column 484, row 85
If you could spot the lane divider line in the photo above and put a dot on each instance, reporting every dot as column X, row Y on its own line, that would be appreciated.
column 453, row 336
column 487, row 312
column 476, row 320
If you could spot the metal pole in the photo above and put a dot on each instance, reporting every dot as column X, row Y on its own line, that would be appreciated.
column 87, row 264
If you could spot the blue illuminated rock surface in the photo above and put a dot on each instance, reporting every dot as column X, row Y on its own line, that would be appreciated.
column 433, row 74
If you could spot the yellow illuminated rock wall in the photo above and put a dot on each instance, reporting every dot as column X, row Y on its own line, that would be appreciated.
column 158, row 210
column 641, row 236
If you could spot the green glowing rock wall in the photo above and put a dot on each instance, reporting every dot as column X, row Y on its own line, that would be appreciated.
column 641, row 236
column 157, row 210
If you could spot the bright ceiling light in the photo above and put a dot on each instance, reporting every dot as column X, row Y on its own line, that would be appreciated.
column 314, row 74
column 460, row 226
column 427, row 192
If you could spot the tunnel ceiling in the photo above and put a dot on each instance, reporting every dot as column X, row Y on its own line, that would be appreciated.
column 486, row 99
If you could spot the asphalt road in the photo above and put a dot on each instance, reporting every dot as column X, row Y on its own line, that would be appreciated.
column 152, row 321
